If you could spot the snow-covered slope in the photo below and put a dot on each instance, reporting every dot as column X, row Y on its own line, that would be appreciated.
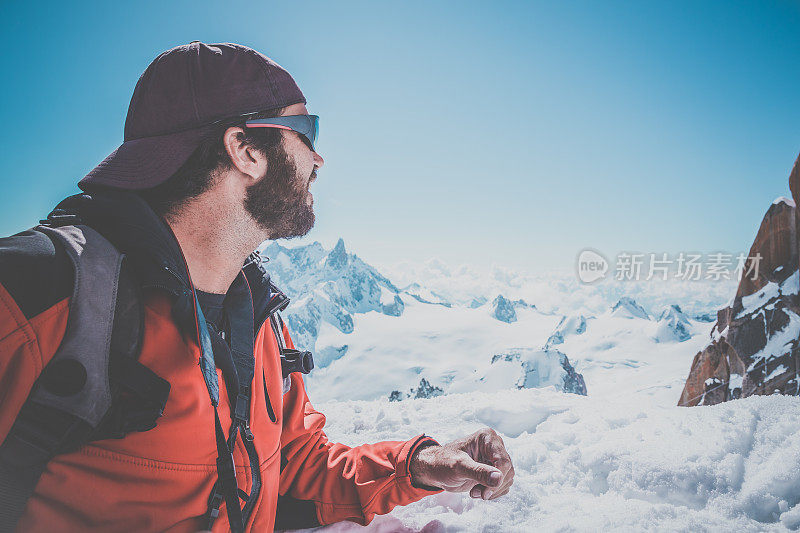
column 625, row 356
column 588, row 465
column 450, row 347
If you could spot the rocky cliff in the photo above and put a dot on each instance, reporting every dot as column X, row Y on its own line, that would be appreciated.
column 754, row 343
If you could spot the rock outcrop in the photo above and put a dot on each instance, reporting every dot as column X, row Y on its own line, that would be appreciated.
column 503, row 309
column 754, row 346
column 425, row 390
column 533, row 369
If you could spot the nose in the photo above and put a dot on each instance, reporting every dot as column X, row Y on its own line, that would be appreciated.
column 318, row 161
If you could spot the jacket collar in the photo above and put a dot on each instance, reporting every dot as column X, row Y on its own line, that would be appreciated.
column 126, row 220
column 129, row 223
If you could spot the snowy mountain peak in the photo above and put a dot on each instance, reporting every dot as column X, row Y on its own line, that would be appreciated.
column 503, row 309
column 281, row 258
column 569, row 325
column 673, row 325
column 628, row 308
column 424, row 295
column 523, row 303
column 327, row 287
column 477, row 302
column 337, row 259
column 672, row 311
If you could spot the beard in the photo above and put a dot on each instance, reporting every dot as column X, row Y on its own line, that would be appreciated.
column 278, row 202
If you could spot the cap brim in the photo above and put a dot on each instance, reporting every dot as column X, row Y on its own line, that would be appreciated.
column 144, row 163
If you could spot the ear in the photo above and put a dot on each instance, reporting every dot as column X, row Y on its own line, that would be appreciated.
column 245, row 158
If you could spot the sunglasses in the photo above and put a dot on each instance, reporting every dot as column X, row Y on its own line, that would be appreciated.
column 306, row 125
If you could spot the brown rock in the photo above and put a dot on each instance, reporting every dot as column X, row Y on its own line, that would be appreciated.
column 776, row 244
column 794, row 181
column 754, row 345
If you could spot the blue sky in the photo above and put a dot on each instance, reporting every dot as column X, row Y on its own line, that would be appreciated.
column 480, row 132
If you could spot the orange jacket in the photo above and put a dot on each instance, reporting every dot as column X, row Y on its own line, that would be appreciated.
column 160, row 480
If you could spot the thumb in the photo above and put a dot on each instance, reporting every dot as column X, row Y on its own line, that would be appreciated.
column 483, row 474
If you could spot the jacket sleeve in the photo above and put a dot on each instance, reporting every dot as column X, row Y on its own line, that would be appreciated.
column 26, row 346
column 344, row 483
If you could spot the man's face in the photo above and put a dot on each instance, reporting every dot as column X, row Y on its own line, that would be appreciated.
column 281, row 202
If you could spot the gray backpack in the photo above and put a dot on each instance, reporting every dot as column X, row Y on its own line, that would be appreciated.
column 94, row 387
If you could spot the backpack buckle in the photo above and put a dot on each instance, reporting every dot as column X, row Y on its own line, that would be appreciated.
column 60, row 217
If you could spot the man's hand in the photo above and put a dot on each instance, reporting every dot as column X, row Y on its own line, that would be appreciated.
column 478, row 463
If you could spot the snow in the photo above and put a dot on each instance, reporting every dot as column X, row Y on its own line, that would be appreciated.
column 453, row 349
column 753, row 301
column 444, row 345
column 791, row 285
column 628, row 308
column 622, row 458
column 769, row 292
column 559, row 292
column 447, row 325
column 569, row 325
column 619, row 357
column 783, row 200
column 387, row 296
column 673, row 326
column 778, row 342
column 780, row 369
column 584, row 465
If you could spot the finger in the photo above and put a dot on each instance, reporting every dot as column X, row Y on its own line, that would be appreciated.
column 508, row 480
column 481, row 473
column 499, row 493
column 496, row 450
column 502, row 463
column 476, row 491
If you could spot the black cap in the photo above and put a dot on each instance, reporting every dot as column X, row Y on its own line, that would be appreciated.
column 178, row 95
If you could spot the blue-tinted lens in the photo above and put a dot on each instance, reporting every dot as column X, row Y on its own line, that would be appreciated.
column 315, row 125
column 305, row 125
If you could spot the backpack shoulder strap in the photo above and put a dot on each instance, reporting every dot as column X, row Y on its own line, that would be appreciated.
column 84, row 351
column 35, row 271
column 94, row 387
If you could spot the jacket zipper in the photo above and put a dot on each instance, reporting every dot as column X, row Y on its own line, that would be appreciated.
column 255, row 472
column 270, row 410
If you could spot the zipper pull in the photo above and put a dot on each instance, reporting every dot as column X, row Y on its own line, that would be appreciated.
column 246, row 433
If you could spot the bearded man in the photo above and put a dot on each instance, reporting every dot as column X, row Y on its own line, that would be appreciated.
column 148, row 382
